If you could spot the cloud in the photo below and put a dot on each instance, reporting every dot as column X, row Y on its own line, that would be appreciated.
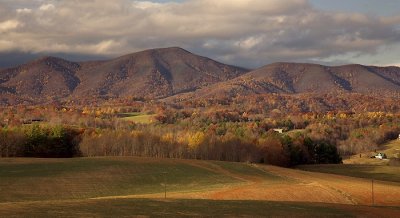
column 46, row 7
column 144, row 5
column 23, row 11
column 9, row 25
column 393, row 64
column 245, row 32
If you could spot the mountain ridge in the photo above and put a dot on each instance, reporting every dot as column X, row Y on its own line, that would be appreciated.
column 152, row 74
column 296, row 78
column 167, row 72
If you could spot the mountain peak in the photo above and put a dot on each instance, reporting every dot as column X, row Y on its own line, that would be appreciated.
column 174, row 49
column 48, row 59
column 155, row 73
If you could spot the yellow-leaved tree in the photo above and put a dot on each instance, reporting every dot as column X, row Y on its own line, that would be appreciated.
column 195, row 140
column 167, row 138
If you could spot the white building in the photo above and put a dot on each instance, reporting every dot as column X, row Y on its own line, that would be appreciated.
column 380, row 156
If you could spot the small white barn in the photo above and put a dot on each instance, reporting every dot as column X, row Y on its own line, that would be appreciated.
column 381, row 156
column 278, row 130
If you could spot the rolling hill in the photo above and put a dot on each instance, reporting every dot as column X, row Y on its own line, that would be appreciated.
column 45, row 79
column 82, row 187
column 298, row 78
column 152, row 74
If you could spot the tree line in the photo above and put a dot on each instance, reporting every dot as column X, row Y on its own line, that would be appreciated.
column 37, row 141
column 59, row 141
column 220, row 131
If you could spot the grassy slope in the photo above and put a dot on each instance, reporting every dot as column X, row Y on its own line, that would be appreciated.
column 377, row 172
column 189, row 208
column 138, row 117
column 365, row 167
column 391, row 149
column 79, row 178
column 115, row 186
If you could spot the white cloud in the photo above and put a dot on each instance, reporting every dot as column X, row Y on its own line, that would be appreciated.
column 245, row 32
column 144, row 5
column 9, row 25
column 105, row 46
column 46, row 7
column 249, row 42
column 24, row 10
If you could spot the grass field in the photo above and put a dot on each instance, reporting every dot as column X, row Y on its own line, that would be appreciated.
column 44, row 179
column 377, row 172
column 365, row 166
column 391, row 149
column 295, row 131
column 188, row 208
column 124, row 186
column 137, row 117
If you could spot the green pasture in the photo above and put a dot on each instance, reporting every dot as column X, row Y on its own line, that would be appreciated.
column 137, row 117
column 29, row 179
column 185, row 208
column 377, row 172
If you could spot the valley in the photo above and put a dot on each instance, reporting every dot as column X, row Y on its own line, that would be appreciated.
column 165, row 132
column 199, row 108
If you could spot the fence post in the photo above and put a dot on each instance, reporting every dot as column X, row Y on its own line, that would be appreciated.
column 372, row 192
column 165, row 185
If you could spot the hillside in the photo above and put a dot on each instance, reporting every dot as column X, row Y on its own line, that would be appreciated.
column 134, row 177
column 391, row 149
column 45, row 79
column 155, row 73
column 110, row 186
column 166, row 72
column 299, row 78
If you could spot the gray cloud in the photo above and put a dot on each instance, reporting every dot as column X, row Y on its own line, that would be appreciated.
column 248, row 33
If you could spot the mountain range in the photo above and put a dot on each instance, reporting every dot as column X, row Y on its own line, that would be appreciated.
column 166, row 72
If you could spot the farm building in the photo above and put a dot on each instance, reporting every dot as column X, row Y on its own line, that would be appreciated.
column 278, row 130
column 380, row 156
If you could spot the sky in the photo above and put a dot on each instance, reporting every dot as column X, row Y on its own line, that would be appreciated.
column 247, row 33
